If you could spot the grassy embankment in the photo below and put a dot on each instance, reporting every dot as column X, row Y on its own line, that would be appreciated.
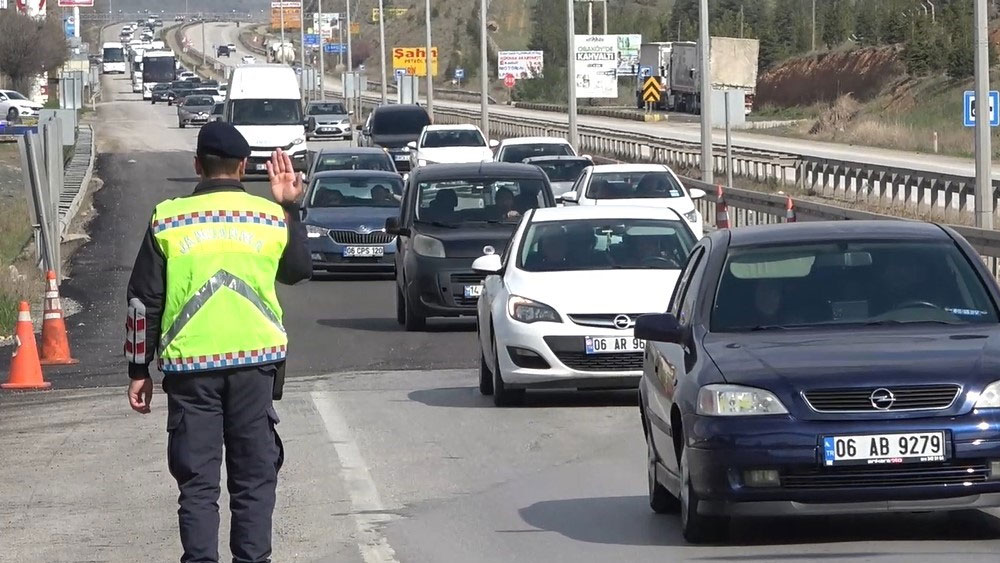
column 15, row 230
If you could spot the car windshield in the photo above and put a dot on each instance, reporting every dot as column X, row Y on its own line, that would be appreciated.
column 159, row 69
column 161, row 87
column 14, row 95
column 849, row 283
column 267, row 112
column 114, row 55
column 562, row 170
column 399, row 122
column 517, row 153
column 356, row 192
column 198, row 101
column 453, row 138
column 605, row 244
column 327, row 109
column 634, row 185
column 478, row 200
column 354, row 162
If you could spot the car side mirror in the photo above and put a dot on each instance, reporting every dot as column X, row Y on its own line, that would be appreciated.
column 392, row 227
column 359, row 127
column 569, row 197
column 494, row 143
column 588, row 157
column 412, row 145
column 697, row 193
column 489, row 264
column 662, row 327
column 311, row 124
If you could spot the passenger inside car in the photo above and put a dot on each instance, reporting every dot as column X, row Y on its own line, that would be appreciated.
column 504, row 207
column 328, row 198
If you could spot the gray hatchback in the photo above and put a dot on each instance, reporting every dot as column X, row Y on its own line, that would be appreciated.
column 195, row 109
column 328, row 120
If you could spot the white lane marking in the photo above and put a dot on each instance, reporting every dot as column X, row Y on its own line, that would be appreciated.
column 369, row 514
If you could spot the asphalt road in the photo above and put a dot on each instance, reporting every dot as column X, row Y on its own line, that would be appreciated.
column 390, row 456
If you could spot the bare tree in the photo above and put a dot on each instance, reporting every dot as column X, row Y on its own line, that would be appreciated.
column 30, row 47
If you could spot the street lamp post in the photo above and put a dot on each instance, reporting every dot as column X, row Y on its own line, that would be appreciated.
column 984, row 176
column 281, row 9
column 322, row 53
column 350, row 58
column 707, row 171
column 430, row 78
column 381, row 34
column 302, row 48
column 204, row 44
column 571, row 72
column 484, row 71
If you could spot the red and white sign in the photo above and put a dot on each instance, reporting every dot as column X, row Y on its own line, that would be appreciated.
column 31, row 7
column 76, row 3
column 509, row 81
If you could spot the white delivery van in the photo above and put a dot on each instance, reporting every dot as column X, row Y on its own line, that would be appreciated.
column 137, row 70
column 113, row 58
column 265, row 105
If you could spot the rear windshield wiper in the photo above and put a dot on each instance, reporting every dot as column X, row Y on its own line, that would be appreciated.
column 923, row 321
column 766, row 327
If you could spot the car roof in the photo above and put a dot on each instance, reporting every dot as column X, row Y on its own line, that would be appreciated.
column 534, row 159
column 393, row 108
column 437, row 172
column 350, row 150
column 354, row 174
column 453, row 127
column 629, row 168
column 578, row 212
column 535, row 141
column 826, row 231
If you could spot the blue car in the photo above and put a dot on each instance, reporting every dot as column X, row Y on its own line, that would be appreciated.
column 823, row 368
column 344, row 212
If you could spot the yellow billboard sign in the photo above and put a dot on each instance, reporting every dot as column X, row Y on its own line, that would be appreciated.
column 414, row 60
column 389, row 13
column 292, row 14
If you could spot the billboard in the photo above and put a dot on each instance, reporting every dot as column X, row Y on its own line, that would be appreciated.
column 628, row 54
column 596, row 58
column 390, row 13
column 293, row 14
column 523, row 65
column 414, row 60
column 330, row 27
column 76, row 3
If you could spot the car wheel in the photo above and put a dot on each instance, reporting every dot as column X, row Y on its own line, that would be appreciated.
column 400, row 306
column 12, row 115
column 697, row 528
column 502, row 396
column 412, row 320
column 485, row 377
column 660, row 499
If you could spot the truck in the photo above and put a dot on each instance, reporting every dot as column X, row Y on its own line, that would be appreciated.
column 656, row 57
column 732, row 65
column 280, row 53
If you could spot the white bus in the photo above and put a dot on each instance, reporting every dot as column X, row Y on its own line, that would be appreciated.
column 157, row 67
column 113, row 59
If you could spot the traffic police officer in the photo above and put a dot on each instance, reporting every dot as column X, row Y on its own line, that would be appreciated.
column 202, row 295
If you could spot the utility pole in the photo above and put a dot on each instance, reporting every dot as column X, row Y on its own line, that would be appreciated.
column 204, row 43
column 430, row 78
column 814, row 26
column 707, row 172
column 574, row 138
column 605, row 16
column 302, row 48
column 282, row 10
column 322, row 53
column 484, row 71
column 984, row 177
column 381, row 34
column 741, row 21
column 590, row 18
column 350, row 58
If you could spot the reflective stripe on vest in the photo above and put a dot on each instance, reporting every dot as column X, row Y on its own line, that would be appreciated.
column 222, row 251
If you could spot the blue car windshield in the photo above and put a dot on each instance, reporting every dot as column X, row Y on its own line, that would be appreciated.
column 849, row 283
column 356, row 192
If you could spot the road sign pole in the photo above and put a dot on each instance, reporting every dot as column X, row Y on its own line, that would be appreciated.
column 322, row 53
column 574, row 138
column 484, row 70
column 302, row 48
column 350, row 60
column 729, row 147
column 707, row 171
column 281, row 9
column 984, row 182
column 430, row 77
column 381, row 35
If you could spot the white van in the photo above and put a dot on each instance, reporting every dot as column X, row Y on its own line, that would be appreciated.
column 137, row 70
column 113, row 58
column 265, row 105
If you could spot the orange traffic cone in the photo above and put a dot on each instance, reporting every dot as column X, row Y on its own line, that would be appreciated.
column 55, row 344
column 789, row 210
column 25, row 370
column 721, row 209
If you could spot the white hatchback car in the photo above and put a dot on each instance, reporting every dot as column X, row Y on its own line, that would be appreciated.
column 450, row 144
column 516, row 149
column 637, row 184
column 557, row 310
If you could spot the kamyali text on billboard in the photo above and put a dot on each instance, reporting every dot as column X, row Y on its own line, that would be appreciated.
column 522, row 65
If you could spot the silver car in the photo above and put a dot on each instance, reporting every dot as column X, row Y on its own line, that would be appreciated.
column 195, row 109
column 328, row 119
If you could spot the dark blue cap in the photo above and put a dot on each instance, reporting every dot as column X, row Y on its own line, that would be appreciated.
column 222, row 139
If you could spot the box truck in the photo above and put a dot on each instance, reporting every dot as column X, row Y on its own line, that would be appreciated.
column 732, row 65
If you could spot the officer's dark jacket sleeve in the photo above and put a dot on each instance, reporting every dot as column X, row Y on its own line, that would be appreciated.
column 146, row 293
column 296, row 263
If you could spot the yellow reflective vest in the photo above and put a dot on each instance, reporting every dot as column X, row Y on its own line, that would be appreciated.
column 221, row 310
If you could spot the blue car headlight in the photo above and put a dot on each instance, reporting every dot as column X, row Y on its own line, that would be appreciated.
column 737, row 400
column 312, row 231
column 990, row 397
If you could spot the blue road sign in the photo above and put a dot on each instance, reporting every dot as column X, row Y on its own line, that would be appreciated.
column 399, row 73
column 335, row 48
column 312, row 40
column 645, row 71
column 70, row 26
column 459, row 73
column 969, row 117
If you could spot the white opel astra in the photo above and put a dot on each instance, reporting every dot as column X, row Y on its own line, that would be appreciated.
column 558, row 308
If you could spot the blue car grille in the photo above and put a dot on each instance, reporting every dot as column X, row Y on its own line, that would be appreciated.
column 855, row 477
column 906, row 398
column 351, row 237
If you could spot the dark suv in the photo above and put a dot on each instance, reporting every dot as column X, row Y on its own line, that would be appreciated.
column 392, row 127
column 450, row 214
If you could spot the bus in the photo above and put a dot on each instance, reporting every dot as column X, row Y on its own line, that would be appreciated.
column 113, row 59
column 157, row 67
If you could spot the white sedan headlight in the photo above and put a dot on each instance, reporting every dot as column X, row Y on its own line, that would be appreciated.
column 990, row 397
column 428, row 246
column 737, row 400
column 691, row 216
column 528, row 311
column 312, row 231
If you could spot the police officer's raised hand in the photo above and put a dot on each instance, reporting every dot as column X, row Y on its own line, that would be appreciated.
column 140, row 394
column 286, row 184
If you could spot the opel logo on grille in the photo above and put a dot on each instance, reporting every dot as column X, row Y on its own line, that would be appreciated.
column 622, row 322
column 882, row 399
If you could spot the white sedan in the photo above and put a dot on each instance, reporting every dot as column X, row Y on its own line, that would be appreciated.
column 248, row 59
column 516, row 149
column 14, row 106
column 450, row 144
column 637, row 184
column 558, row 309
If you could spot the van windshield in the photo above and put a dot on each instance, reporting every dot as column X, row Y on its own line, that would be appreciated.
column 400, row 122
column 114, row 55
column 266, row 112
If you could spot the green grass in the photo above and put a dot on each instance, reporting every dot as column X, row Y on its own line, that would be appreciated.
column 15, row 231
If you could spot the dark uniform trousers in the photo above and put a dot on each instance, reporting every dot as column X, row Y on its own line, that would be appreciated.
column 231, row 407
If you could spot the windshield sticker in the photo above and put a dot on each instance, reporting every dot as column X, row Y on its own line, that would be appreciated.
column 967, row 312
